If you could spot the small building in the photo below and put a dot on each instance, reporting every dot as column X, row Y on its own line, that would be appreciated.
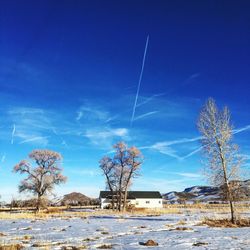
column 138, row 199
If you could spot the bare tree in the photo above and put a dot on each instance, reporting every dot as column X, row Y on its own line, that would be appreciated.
column 107, row 166
column 134, row 162
column 120, row 162
column 42, row 178
column 224, row 160
column 119, row 172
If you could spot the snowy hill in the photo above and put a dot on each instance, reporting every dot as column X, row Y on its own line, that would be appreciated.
column 205, row 194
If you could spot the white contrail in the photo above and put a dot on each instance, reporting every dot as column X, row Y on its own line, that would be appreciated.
column 139, row 83
column 145, row 115
column 149, row 99
column 239, row 130
column 13, row 133
column 192, row 153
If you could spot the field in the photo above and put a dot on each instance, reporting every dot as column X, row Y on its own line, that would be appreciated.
column 174, row 227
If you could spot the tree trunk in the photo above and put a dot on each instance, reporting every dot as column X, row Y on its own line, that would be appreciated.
column 112, row 201
column 232, row 211
column 226, row 180
column 117, row 201
column 231, row 204
column 120, row 202
column 125, row 200
column 38, row 203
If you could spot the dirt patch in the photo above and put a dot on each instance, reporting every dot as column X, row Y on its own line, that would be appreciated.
column 104, row 232
column 142, row 227
column 182, row 229
column 149, row 243
column 199, row 244
column 73, row 247
column 105, row 246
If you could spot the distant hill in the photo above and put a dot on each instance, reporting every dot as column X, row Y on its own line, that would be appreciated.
column 77, row 199
column 206, row 194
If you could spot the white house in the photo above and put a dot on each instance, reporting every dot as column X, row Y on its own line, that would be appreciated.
column 139, row 199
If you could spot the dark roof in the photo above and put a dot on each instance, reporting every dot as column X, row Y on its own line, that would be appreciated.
column 135, row 194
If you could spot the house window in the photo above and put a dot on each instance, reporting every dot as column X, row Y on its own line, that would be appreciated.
column 147, row 202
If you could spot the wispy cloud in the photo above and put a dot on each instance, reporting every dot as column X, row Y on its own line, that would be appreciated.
column 3, row 158
column 79, row 115
column 105, row 137
column 92, row 112
column 190, row 79
column 173, row 142
column 189, row 175
column 86, row 172
column 13, row 133
column 112, row 118
column 64, row 143
column 146, row 115
column 41, row 139
column 31, row 118
column 193, row 76
column 159, row 184
column 164, row 147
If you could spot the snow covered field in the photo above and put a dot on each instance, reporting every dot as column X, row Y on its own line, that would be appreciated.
column 173, row 231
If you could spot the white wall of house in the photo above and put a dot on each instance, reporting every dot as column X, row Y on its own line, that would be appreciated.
column 104, row 203
column 147, row 203
column 139, row 203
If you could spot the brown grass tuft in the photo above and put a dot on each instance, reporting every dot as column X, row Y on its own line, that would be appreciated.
column 53, row 210
column 225, row 223
column 11, row 247
column 149, row 243
column 198, row 244
column 182, row 229
column 104, row 246
column 73, row 247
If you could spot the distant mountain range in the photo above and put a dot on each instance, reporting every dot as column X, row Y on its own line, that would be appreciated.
column 205, row 194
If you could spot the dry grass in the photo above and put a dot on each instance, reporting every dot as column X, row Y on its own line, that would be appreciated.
column 181, row 222
column 60, row 212
column 225, row 223
column 154, row 212
column 168, row 209
column 209, row 208
column 206, row 206
column 23, row 215
column 11, row 247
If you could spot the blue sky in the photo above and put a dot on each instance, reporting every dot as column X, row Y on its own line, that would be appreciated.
column 69, row 73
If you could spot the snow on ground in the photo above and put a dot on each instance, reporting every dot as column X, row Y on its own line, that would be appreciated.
column 124, row 232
